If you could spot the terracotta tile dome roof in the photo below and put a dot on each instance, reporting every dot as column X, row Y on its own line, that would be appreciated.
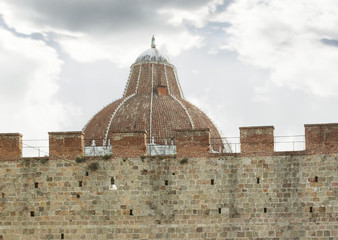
column 152, row 101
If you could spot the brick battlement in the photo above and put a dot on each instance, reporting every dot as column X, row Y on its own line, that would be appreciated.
column 129, row 144
column 10, row 146
column 258, row 140
column 66, row 145
column 193, row 143
column 321, row 138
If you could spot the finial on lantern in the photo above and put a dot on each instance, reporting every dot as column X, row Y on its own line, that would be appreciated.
column 153, row 42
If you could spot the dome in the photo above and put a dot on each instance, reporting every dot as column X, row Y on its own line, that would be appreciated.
column 152, row 55
column 153, row 101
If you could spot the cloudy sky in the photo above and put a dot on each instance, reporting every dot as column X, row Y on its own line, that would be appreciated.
column 243, row 62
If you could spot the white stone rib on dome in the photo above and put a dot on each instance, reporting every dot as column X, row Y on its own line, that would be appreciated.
column 152, row 55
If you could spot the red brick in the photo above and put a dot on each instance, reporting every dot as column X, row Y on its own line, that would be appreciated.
column 10, row 146
column 129, row 144
column 193, row 143
column 66, row 145
column 257, row 139
column 321, row 138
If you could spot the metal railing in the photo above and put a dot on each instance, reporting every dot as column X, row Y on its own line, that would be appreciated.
column 289, row 143
column 161, row 141
column 35, row 147
column 225, row 145
column 281, row 144
column 40, row 147
column 162, row 147
column 96, row 141
column 92, row 149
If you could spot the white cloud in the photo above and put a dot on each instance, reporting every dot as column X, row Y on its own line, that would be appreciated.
column 284, row 37
column 198, row 17
column 123, row 50
column 28, row 78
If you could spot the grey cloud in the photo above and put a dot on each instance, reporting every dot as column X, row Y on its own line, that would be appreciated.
column 331, row 42
column 93, row 15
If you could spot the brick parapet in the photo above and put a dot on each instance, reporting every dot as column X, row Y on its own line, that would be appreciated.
column 321, row 138
column 129, row 144
column 10, row 146
column 193, row 142
column 257, row 140
column 66, row 145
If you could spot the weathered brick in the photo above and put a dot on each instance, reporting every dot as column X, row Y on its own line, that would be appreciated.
column 10, row 146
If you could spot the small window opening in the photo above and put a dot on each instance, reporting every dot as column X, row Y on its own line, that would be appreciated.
column 131, row 212
column 173, row 173
column 311, row 209
column 258, row 180
column 212, row 182
column 316, row 179
column 62, row 236
column 80, row 183
column 112, row 180
column 87, row 174
column 3, row 195
column 78, row 195
column 265, row 210
column 166, row 182
column 32, row 213
column 220, row 210
column 36, row 185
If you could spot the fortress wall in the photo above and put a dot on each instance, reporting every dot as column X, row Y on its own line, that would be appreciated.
column 258, row 194
column 199, row 198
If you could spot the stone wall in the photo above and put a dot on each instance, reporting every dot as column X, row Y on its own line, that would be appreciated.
column 257, row 194
column 282, row 196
